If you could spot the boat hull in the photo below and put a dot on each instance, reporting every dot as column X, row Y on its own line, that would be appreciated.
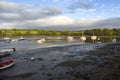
column 4, row 54
column 6, row 64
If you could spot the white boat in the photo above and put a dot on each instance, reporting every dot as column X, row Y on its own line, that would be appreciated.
column 70, row 38
column 83, row 38
column 13, row 40
column 114, row 40
column 6, row 38
column 42, row 40
column 93, row 37
column 6, row 64
column 7, row 50
column 39, row 41
column 21, row 38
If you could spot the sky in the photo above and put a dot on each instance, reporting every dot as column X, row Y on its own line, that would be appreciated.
column 59, row 14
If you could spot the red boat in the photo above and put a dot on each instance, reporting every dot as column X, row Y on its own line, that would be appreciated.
column 6, row 64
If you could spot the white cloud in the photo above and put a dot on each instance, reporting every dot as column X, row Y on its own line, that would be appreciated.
column 63, row 22
column 10, row 12
column 80, row 4
column 53, row 21
column 8, row 25
column 84, row 22
column 11, row 7
column 14, row 15
column 10, row 15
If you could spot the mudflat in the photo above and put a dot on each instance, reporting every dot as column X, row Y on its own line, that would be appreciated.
column 73, row 62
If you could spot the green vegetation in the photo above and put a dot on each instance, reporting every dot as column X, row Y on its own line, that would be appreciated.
column 29, row 32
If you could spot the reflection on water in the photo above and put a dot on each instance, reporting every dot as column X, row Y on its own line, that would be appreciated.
column 103, row 40
column 31, row 43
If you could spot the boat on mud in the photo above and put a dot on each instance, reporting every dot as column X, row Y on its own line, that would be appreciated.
column 7, row 64
column 6, row 52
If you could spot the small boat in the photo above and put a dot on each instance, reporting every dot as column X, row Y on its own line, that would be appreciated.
column 4, row 54
column 42, row 40
column 6, row 38
column 14, row 40
column 7, row 50
column 6, row 64
column 83, row 38
column 114, row 40
column 21, row 38
column 93, row 37
column 70, row 38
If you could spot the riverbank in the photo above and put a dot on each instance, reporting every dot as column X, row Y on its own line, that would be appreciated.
column 73, row 62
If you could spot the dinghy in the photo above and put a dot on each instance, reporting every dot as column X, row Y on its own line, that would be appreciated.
column 6, row 64
column 6, row 52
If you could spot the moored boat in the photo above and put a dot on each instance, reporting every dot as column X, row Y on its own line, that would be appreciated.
column 6, row 38
column 6, row 64
column 42, row 40
column 14, row 40
column 21, row 38
column 83, row 38
column 70, row 38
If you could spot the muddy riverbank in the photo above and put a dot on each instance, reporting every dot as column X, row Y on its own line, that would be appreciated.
column 74, row 62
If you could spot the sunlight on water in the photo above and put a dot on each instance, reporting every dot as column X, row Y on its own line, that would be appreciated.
column 32, row 44
column 29, row 44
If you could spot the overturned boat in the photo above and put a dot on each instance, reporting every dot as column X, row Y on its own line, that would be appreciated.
column 6, row 64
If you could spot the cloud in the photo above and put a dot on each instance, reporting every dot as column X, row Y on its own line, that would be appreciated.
column 52, row 10
column 63, row 22
column 11, row 12
column 8, row 25
column 53, row 21
column 80, row 4
column 108, row 23
column 13, row 15
column 11, row 7
column 9, row 15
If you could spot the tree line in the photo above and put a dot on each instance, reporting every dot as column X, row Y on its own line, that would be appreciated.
column 30, row 32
